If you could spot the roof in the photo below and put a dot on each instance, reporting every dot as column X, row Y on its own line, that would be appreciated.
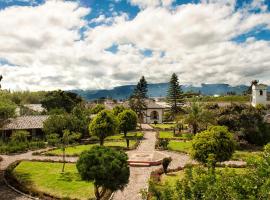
column 35, row 107
column 151, row 104
column 25, row 122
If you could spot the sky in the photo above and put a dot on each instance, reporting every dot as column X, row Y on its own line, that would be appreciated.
column 100, row 44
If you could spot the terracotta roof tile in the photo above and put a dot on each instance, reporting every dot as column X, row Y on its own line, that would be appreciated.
column 25, row 122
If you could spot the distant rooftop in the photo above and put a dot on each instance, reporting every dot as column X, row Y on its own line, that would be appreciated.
column 25, row 122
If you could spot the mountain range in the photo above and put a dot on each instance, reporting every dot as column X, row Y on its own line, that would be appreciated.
column 160, row 90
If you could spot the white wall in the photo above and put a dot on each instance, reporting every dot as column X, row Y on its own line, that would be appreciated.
column 256, row 97
column 147, row 118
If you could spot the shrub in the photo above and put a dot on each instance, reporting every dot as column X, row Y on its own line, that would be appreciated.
column 162, row 144
column 216, row 141
column 108, row 169
column 20, row 136
column 165, row 164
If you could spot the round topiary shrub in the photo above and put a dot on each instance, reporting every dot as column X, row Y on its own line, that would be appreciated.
column 216, row 143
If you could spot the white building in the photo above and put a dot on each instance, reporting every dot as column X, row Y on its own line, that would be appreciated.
column 154, row 112
column 260, row 95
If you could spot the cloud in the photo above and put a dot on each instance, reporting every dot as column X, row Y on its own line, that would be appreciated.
column 151, row 3
column 51, row 46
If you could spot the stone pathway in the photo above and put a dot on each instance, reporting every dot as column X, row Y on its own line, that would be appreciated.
column 139, row 176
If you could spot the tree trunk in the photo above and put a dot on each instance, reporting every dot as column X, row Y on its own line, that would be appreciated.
column 64, row 159
column 195, row 128
column 101, row 142
column 125, row 134
column 96, row 192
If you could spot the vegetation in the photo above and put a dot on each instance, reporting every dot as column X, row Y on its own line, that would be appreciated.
column 107, row 168
column 127, row 121
column 44, row 177
column 78, row 149
column 60, row 100
column 134, row 135
column 163, row 126
column 7, row 110
column 227, row 98
column 118, row 109
column 216, row 142
column 198, row 118
column 137, row 99
column 202, row 183
column 165, row 164
column 103, row 125
column 175, row 96
column 97, row 108
column 171, row 135
column 246, row 122
column 184, row 147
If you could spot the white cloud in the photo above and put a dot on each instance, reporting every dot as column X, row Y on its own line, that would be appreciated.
column 44, row 43
column 151, row 3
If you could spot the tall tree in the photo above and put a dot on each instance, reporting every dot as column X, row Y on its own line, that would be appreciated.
column 103, row 125
column 137, row 99
column 61, row 99
column 175, row 95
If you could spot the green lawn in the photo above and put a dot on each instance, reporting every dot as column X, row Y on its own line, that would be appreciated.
column 180, row 146
column 169, row 135
column 77, row 150
column 139, row 135
column 245, row 155
column 171, row 178
column 163, row 126
column 47, row 177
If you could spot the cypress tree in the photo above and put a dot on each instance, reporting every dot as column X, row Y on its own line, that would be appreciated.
column 175, row 95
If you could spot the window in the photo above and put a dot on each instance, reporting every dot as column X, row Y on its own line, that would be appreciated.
column 261, row 93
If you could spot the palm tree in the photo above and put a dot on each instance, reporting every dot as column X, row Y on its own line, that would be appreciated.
column 198, row 117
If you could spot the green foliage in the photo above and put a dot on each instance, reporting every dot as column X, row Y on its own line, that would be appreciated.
column 247, row 122
column 198, row 117
column 61, row 99
column 53, row 139
column 137, row 99
column 200, row 183
column 103, row 125
column 55, row 124
column 20, row 136
column 107, row 168
column 7, row 109
column 162, row 143
column 127, row 121
column 175, row 95
column 118, row 109
column 165, row 164
column 216, row 141
column 97, row 108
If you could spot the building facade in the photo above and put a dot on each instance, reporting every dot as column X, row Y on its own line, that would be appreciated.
column 260, row 96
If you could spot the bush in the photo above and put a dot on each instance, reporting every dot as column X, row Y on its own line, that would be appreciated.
column 217, row 141
column 165, row 164
column 20, row 136
column 162, row 144
column 53, row 139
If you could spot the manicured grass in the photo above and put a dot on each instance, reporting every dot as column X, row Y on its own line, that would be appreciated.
column 139, row 135
column 180, row 146
column 77, row 150
column 169, row 135
column 171, row 178
column 163, row 126
column 47, row 177
column 245, row 155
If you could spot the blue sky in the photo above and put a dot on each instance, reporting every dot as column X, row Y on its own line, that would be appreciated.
column 97, row 44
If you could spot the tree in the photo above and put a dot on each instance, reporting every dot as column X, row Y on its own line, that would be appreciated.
column 55, row 124
column 97, row 108
column 106, row 167
column 175, row 95
column 103, row 125
column 198, row 117
column 137, row 99
column 127, row 122
column 67, row 137
column 165, row 164
column 118, row 109
column 216, row 142
column 60, row 99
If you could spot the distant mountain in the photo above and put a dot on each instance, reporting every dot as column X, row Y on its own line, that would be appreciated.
column 160, row 90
